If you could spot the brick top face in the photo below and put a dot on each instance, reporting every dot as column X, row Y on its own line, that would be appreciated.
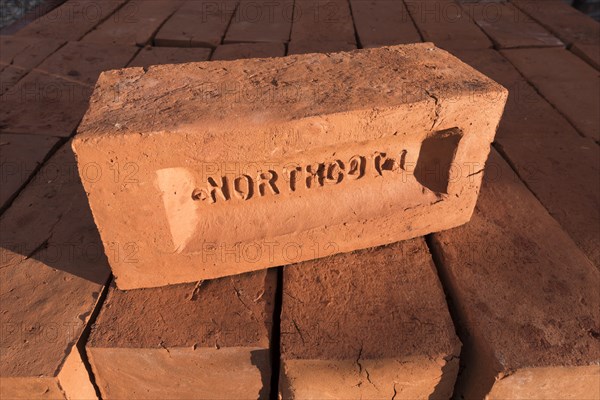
column 219, row 167
column 228, row 95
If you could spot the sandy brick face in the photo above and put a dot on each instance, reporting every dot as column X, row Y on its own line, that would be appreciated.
column 276, row 162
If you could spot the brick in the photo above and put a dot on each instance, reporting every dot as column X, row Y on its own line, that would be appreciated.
column 446, row 24
column 323, row 21
column 168, row 55
column 590, row 53
column 9, row 76
column 135, row 23
column 525, row 297
column 547, row 152
column 437, row 112
column 73, row 19
column 383, row 23
column 248, row 50
column 566, row 81
column 397, row 340
column 53, row 266
column 197, row 24
column 83, row 62
column 207, row 341
column 305, row 47
column 42, row 104
column 20, row 157
column 261, row 21
column 563, row 20
column 25, row 52
column 507, row 26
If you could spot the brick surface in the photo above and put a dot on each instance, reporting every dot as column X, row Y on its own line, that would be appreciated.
column 347, row 334
column 197, row 24
column 566, row 81
column 73, row 19
column 427, row 125
column 9, row 76
column 383, row 23
column 547, row 152
column 446, row 24
column 261, row 21
column 168, row 55
column 319, row 47
column 563, row 20
column 20, row 155
column 83, row 62
column 323, row 21
column 53, row 266
column 26, row 52
column 507, row 26
column 43, row 104
column 210, row 341
column 590, row 53
column 248, row 50
column 135, row 23
column 525, row 297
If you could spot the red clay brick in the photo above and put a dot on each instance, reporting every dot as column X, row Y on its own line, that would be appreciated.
column 507, row 26
column 566, row 81
column 52, row 265
column 25, row 52
column 135, row 23
column 72, row 20
column 83, row 62
column 208, row 341
column 20, row 155
column 383, row 23
column 42, row 104
column 9, row 76
column 197, row 24
column 525, row 297
column 547, row 152
column 261, row 21
column 169, row 55
column 347, row 334
column 446, row 24
column 306, row 47
column 248, row 50
column 559, row 17
column 323, row 21
column 438, row 111
column 590, row 53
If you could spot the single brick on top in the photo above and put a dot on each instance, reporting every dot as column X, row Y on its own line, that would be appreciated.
column 265, row 146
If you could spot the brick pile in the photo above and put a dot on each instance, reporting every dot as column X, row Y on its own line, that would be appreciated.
column 517, row 285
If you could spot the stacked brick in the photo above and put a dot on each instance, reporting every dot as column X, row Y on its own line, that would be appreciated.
column 521, row 276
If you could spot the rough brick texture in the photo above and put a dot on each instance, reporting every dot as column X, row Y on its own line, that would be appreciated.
column 525, row 297
column 20, row 156
column 207, row 340
column 261, row 21
column 135, row 23
column 168, row 55
column 238, row 51
column 383, row 23
column 433, row 122
column 447, row 25
column 52, row 265
column 566, row 81
column 507, row 26
column 547, row 153
column 198, row 23
column 74, row 18
column 348, row 334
